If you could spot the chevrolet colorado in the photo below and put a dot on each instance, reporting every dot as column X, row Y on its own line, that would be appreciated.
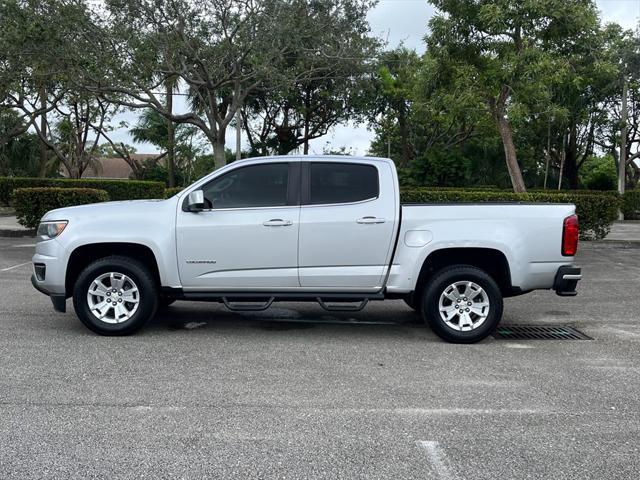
column 325, row 229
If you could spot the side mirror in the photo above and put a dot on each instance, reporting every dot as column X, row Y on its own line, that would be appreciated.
column 195, row 201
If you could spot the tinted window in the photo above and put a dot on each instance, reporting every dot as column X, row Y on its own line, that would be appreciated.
column 255, row 186
column 342, row 182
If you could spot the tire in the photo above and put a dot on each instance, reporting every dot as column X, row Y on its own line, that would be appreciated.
column 477, row 320
column 131, row 279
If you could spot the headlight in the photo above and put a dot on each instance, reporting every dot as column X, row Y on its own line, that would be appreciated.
column 48, row 230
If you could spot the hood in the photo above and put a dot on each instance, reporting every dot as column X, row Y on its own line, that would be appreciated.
column 125, row 208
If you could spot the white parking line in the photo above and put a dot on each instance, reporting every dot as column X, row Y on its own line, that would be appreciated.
column 437, row 458
column 26, row 245
column 15, row 266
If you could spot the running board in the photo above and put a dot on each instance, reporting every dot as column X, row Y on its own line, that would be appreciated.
column 239, row 301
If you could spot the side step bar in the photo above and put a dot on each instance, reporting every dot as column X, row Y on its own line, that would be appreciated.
column 337, row 307
column 238, row 302
column 247, row 307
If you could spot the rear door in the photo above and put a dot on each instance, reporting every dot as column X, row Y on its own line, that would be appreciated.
column 347, row 222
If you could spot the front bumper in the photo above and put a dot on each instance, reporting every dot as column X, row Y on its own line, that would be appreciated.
column 59, row 300
column 566, row 280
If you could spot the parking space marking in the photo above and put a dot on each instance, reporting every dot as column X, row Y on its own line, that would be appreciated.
column 437, row 458
column 15, row 266
column 25, row 245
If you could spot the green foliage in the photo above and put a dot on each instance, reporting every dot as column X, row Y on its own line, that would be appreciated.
column 32, row 203
column 116, row 189
column 205, row 164
column 18, row 148
column 155, row 172
column 519, row 58
column 170, row 192
column 631, row 204
column 596, row 211
column 600, row 173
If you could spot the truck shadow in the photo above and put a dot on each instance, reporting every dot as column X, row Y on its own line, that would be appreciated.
column 283, row 317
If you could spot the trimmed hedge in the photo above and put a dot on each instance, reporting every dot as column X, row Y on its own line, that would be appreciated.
column 631, row 204
column 171, row 191
column 32, row 203
column 596, row 212
column 117, row 189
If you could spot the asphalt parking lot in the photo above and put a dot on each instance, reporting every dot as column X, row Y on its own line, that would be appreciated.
column 295, row 392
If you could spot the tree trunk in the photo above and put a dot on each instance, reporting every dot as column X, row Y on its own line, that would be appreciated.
column 306, row 138
column 622, row 164
column 238, row 135
column 307, row 107
column 563, row 157
column 219, row 157
column 171, row 139
column 42, row 161
column 571, row 158
column 506, row 134
column 404, row 138
column 548, row 156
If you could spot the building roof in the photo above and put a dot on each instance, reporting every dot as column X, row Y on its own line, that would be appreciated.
column 114, row 167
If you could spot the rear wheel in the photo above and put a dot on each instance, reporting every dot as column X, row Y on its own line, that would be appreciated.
column 462, row 304
column 115, row 296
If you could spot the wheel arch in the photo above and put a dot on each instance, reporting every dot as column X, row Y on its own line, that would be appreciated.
column 491, row 260
column 83, row 255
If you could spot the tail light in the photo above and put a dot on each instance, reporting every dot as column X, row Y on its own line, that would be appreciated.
column 570, row 233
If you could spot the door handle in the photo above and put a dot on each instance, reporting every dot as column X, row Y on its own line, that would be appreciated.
column 277, row 222
column 370, row 220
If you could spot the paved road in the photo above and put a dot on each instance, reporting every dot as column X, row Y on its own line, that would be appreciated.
column 295, row 392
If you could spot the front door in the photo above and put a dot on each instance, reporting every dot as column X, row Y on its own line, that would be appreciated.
column 247, row 236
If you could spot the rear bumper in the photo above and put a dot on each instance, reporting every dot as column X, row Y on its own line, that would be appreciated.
column 566, row 281
column 59, row 300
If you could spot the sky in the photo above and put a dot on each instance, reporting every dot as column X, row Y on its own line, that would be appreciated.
column 397, row 22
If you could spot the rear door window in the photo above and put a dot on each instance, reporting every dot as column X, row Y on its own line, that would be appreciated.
column 333, row 182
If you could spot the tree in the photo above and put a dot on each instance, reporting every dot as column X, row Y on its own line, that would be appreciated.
column 42, row 69
column 176, row 140
column 282, row 117
column 626, row 50
column 393, row 94
column 418, row 113
column 512, row 50
column 18, row 147
column 221, row 51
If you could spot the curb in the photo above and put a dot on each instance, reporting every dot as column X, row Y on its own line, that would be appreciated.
column 612, row 241
column 17, row 233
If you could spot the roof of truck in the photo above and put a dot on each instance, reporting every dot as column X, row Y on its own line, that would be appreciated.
column 316, row 158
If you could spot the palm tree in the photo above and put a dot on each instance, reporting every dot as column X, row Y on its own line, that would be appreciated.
column 155, row 129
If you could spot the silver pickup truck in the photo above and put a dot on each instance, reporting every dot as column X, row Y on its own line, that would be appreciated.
column 326, row 229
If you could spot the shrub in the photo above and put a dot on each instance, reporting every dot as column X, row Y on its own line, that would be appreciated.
column 117, row 189
column 32, row 203
column 596, row 211
column 171, row 191
column 600, row 173
column 631, row 205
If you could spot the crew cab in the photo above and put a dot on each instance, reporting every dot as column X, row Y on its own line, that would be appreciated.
column 328, row 229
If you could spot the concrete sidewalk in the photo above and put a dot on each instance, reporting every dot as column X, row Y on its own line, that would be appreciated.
column 9, row 227
column 625, row 231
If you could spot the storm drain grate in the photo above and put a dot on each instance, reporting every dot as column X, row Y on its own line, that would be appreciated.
column 539, row 332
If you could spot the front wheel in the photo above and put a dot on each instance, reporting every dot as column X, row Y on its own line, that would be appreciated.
column 115, row 296
column 462, row 304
